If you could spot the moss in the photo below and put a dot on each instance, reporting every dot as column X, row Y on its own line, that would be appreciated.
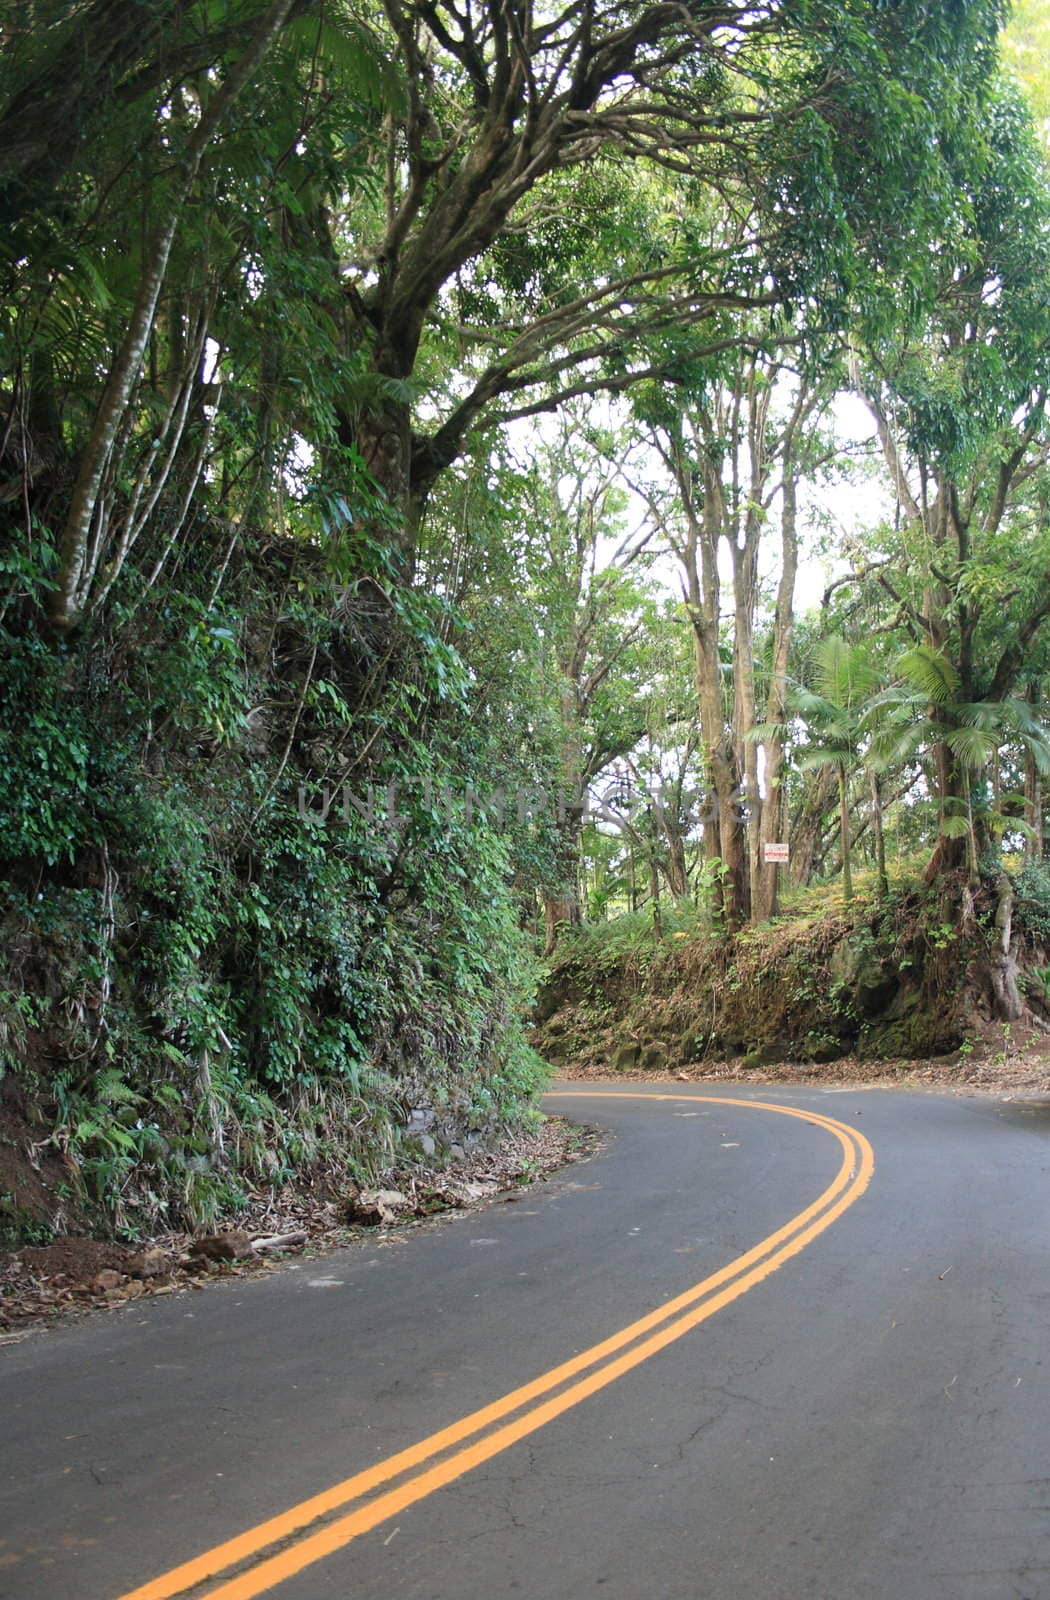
column 885, row 982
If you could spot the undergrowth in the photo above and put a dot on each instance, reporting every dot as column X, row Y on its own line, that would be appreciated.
column 206, row 984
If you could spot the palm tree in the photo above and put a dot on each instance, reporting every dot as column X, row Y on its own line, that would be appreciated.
column 922, row 711
column 834, row 708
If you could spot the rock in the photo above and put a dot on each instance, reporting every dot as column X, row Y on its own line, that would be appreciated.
column 265, row 1245
column 765, row 1055
column 457, row 1152
column 654, row 1057
column 233, row 1246
column 875, row 996
column 150, row 1263
column 483, row 1189
column 457, row 1195
column 867, row 977
column 375, row 1206
column 690, row 1047
column 561, row 989
column 427, row 1144
column 819, row 1047
column 106, row 1281
column 626, row 1057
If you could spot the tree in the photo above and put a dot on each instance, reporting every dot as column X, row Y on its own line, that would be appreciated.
column 733, row 448
column 924, row 712
column 524, row 237
column 596, row 619
column 961, row 419
column 114, row 336
column 834, row 711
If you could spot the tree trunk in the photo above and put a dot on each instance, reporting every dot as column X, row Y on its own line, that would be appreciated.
column 675, row 867
column 1003, row 969
column 847, row 871
column 1033, row 805
column 879, row 832
column 559, row 912
column 561, row 899
column 952, row 852
column 745, row 749
column 772, row 828
column 654, row 893
column 808, row 825
column 723, row 841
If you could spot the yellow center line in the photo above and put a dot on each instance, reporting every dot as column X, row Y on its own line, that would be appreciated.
column 698, row 1303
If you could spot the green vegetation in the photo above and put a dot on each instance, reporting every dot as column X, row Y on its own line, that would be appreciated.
column 419, row 431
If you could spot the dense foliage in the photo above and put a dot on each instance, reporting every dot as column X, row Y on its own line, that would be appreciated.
column 413, row 422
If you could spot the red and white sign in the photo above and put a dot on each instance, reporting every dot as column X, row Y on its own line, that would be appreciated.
column 775, row 852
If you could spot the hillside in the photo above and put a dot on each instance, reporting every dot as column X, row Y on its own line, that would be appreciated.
column 885, row 981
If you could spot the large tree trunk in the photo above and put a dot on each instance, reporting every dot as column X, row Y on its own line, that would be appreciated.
column 723, row 832
column 561, row 898
column 772, row 823
column 955, row 852
column 560, row 911
column 675, row 867
column 880, row 833
column 808, row 825
column 1003, row 971
column 745, row 749
column 1033, row 797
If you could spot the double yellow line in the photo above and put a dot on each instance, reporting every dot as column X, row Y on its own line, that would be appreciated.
column 256, row 1561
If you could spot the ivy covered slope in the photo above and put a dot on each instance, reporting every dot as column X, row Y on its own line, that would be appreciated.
column 205, row 981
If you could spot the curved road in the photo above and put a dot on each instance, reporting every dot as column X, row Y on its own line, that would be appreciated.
column 714, row 1361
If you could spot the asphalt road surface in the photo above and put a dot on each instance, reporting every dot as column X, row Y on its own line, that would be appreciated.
column 720, row 1360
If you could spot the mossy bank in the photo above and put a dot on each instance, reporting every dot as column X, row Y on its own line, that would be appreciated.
column 885, row 980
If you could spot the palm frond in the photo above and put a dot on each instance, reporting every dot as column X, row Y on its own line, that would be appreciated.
column 930, row 671
column 347, row 47
column 971, row 746
column 844, row 673
column 816, row 708
column 1039, row 750
column 814, row 756
column 892, row 746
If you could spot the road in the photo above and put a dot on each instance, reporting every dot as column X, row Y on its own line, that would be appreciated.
column 715, row 1361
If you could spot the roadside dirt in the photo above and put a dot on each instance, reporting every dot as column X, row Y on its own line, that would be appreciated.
column 41, row 1284
column 1024, row 1067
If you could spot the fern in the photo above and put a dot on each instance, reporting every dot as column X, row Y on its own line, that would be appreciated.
column 111, row 1090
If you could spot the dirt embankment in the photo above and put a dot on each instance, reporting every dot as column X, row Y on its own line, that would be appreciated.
column 878, row 993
